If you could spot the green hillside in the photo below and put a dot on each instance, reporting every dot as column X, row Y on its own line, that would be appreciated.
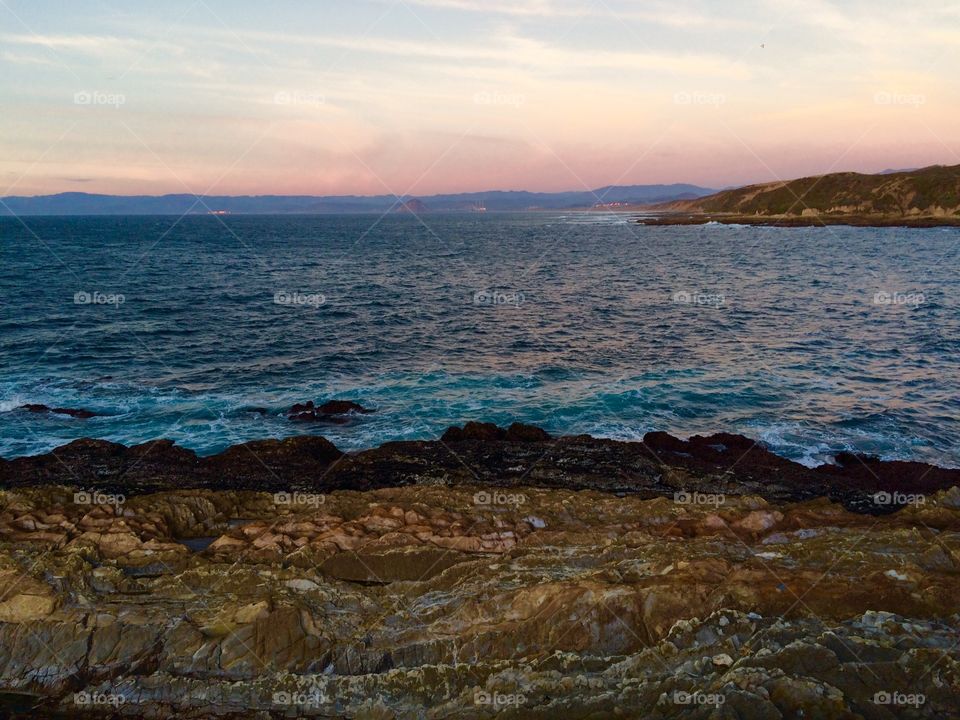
column 932, row 191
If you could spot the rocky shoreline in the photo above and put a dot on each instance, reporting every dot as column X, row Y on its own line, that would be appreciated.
column 820, row 220
column 497, row 572
column 482, row 453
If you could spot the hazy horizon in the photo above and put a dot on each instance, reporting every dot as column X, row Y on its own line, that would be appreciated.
column 268, row 193
column 446, row 96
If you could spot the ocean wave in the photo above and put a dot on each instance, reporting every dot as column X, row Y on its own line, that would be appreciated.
column 598, row 343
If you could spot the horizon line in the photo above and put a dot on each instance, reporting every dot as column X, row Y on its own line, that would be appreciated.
column 886, row 171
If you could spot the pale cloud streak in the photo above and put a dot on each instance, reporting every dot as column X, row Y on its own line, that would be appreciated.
column 389, row 82
column 98, row 46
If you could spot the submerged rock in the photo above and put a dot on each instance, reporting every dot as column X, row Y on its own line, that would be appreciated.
column 72, row 412
column 332, row 411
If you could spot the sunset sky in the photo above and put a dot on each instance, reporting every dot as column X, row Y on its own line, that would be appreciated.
column 425, row 96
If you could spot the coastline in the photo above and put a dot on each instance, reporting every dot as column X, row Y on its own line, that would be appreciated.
column 496, row 573
column 481, row 453
column 797, row 221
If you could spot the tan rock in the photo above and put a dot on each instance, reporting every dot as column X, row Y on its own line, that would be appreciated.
column 23, row 607
column 250, row 613
column 759, row 520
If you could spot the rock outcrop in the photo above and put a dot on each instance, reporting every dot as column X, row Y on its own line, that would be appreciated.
column 660, row 465
column 475, row 601
column 337, row 412
column 79, row 413
column 494, row 572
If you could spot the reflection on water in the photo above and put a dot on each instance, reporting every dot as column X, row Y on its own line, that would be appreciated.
column 577, row 322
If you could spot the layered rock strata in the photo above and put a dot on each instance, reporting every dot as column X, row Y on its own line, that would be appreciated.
column 432, row 600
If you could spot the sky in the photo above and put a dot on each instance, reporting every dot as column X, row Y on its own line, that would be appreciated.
column 426, row 96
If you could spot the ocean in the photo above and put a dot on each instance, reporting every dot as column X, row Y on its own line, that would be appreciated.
column 206, row 329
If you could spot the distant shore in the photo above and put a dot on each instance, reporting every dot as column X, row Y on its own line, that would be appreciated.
column 800, row 221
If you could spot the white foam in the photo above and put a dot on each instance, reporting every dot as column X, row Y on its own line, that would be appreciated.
column 12, row 404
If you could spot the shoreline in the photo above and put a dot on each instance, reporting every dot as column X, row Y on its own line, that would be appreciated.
column 495, row 572
column 482, row 453
column 796, row 221
column 528, row 602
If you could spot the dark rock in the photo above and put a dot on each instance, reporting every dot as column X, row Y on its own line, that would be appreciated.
column 721, row 452
column 848, row 459
column 452, row 434
column 474, row 431
column 342, row 407
column 519, row 432
column 292, row 462
column 853, row 481
column 72, row 412
column 102, row 464
column 332, row 411
column 482, row 453
column 872, row 474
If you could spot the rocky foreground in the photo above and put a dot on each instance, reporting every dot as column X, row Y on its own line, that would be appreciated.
column 570, row 578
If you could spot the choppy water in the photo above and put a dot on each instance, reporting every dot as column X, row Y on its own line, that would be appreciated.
column 580, row 326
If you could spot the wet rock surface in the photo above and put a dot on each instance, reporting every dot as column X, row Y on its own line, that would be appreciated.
column 517, row 432
column 71, row 412
column 338, row 412
column 475, row 601
column 660, row 465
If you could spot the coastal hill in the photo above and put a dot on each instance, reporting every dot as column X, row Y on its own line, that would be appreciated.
column 931, row 194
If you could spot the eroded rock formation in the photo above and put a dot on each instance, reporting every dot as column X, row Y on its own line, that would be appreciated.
column 476, row 601
column 659, row 465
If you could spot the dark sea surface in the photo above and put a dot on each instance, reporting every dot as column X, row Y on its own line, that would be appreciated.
column 577, row 322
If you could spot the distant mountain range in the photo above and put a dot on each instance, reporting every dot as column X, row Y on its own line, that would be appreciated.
column 932, row 192
column 500, row 200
